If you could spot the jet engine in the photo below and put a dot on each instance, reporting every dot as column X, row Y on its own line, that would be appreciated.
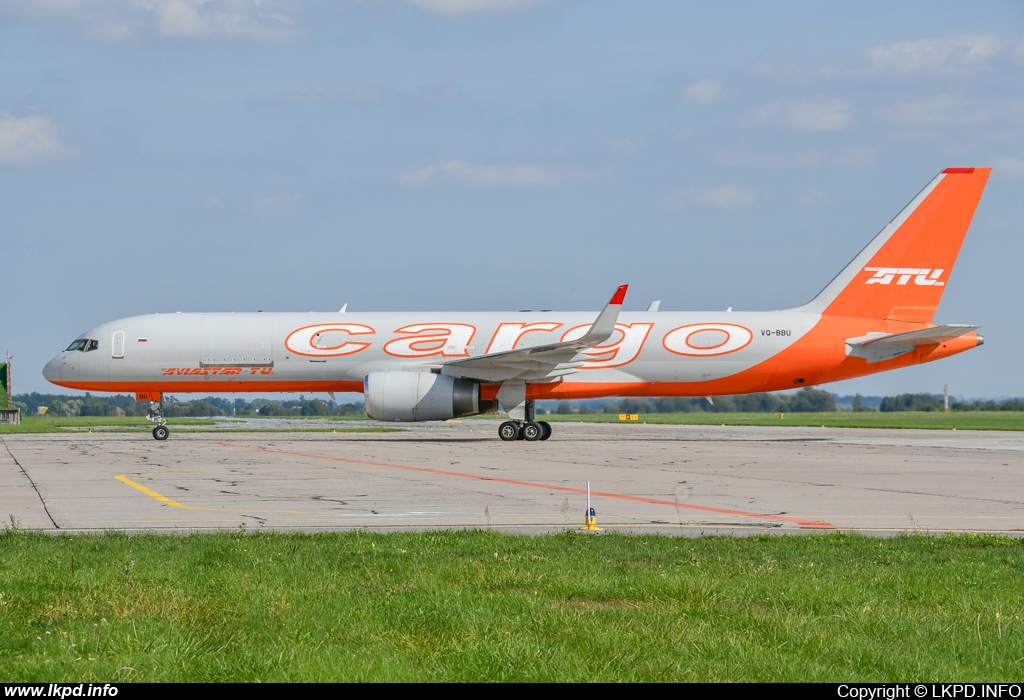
column 419, row 396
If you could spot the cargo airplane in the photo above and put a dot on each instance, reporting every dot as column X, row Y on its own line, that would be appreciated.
column 876, row 315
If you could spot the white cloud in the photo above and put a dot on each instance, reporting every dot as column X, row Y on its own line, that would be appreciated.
column 126, row 20
column 798, row 159
column 819, row 113
column 779, row 160
column 372, row 95
column 941, row 110
column 201, row 19
column 952, row 57
column 465, row 7
column 29, row 141
column 724, row 197
column 497, row 175
column 704, row 92
column 1017, row 50
column 1008, row 165
column 949, row 55
column 280, row 204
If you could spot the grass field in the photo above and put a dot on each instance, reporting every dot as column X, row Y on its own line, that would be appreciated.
column 967, row 420
column 465, row 606
column 43, row 424
column 972, row 420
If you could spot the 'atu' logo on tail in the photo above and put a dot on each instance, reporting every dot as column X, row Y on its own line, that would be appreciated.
column 923, row 276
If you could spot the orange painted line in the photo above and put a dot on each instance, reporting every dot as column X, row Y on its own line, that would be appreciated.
column 605, row 494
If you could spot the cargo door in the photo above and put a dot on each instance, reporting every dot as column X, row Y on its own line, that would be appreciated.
column 237, row 340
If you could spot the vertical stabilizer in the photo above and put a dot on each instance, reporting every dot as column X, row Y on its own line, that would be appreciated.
column 901, row 274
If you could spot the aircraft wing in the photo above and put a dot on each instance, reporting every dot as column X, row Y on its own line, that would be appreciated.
column 541, row 362
column 875, row 348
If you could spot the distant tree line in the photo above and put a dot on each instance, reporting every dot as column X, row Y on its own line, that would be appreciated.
column 60, row 405
column 935, row 402
column 804, row 401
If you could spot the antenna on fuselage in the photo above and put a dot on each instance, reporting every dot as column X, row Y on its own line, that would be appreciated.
column 342, row 309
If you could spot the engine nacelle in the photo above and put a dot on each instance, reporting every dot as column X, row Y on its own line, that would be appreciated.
column 419, row 396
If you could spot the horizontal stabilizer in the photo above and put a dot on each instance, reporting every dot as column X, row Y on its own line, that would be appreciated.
column 886, row 346
column 542, row 362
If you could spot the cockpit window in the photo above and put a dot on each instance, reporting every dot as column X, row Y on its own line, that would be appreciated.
column 83, row 345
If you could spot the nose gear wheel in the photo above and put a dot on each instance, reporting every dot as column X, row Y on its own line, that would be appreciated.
column 156, row 414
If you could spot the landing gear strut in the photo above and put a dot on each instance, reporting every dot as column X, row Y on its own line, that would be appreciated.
column 528, row 429
column 156, row 414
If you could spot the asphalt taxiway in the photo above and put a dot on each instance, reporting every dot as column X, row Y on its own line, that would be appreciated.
column 643, row 478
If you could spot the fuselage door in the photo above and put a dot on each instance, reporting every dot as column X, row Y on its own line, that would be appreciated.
column 117, row 346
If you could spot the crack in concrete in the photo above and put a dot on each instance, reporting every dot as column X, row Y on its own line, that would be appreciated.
column 42, row 501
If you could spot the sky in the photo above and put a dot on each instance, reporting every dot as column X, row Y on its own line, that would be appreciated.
column 488, row 155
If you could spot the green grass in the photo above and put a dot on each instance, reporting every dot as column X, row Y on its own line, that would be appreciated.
column 465, row 606
column 45, row 424
column 967, row 420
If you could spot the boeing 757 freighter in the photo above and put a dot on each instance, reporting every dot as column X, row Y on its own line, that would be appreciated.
column 876, row 315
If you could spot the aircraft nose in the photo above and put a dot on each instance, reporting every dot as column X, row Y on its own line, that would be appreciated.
column 51, row 372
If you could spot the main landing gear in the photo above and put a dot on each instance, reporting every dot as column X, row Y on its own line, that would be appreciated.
column 524, row 430
column 529, row 429
column 156, row 414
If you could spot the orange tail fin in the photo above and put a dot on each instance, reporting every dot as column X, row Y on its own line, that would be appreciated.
column 901, row 274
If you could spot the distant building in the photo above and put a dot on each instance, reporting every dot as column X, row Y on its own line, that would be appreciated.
column 9, row 414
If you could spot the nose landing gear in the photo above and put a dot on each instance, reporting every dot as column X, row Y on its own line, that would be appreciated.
column 156, row 414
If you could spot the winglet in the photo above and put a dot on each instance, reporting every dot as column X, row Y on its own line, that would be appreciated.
column 542, row 363
column 604, row 326
column 620, row 295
